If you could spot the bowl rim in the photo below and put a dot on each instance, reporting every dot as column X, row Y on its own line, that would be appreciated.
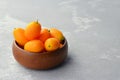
column 38, row 53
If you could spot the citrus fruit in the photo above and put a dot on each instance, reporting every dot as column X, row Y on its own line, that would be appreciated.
column 34, row 46
column 51, row 44
column 61, row 45
column 32, row 30
column 19, row 36
column 56, row 34
column 44, row 34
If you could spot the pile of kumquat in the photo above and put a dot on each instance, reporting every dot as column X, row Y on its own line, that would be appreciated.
column 35, row 38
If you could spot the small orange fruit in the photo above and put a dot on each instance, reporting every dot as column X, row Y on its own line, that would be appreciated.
column 61, row 45
column 51, row 44
column 34, row 46
column 19, row 36
column 44, row 34
column 32, row 30
column 56, row 34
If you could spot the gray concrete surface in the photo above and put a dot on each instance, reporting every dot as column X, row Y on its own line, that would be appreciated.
column 92, row 28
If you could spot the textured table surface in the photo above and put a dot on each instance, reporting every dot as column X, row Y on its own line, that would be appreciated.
column 92, row 28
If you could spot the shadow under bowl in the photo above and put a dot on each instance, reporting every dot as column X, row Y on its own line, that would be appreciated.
column 44, row 60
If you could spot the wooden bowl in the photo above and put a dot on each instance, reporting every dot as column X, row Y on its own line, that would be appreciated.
column 44, row 60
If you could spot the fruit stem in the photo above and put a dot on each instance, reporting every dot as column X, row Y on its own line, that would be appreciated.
column 37, row 21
